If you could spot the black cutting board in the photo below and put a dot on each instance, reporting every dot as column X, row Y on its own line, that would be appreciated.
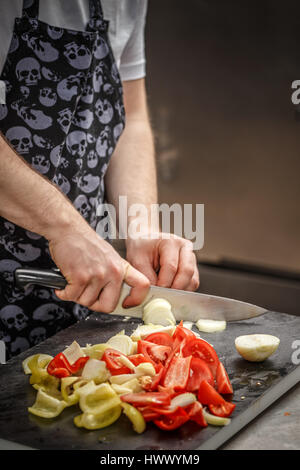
column 256, row 386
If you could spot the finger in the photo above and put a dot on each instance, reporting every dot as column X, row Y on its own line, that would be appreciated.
column 186, row 269
column 108, row 298
column 91, row 293
column 195, row 282
column 139, row 287
column 73, row 290
column 168, row 261
column 144, row 266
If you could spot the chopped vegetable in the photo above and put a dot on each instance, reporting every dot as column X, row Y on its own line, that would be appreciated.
column 68, row 392
column 46, row 406
column 41, row 361
column 210, row 326
column 122, row 343
column 215, row 420
column 158, row 311
column 95, row 370
column 144, row 330
column 184, row 399
column 172, row 421
column 256, row 347
column 98, row 421
column 73, row 352
column 135, row 417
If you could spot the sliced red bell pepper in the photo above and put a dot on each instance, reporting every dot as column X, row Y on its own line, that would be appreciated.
column 110, row 357
column 172, row 421
column 60, row 366
column 147, row 399
column 223, row 410
column 207, row 395
column 148, row 413
column 195, row 412
column 199, row 370
column 223, row 383
column 178, row 373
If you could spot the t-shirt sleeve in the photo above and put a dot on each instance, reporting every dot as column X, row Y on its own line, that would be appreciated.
column 133, row 61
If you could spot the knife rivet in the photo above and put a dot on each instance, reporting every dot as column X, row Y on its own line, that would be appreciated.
column 243, row 397
column 258, row 383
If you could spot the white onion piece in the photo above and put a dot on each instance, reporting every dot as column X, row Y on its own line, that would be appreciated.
column 122, row 343
column 256, row 347
column 95, row 369
column 122, row 378
column 158, row 311
column 215, row 420
column 133, row 385
column 210, row 326
column 145, row 369
column 73, row 352
column 144, row 330
column 126, row 362
column 120, row 389
column 182, row 400
column 188, row 325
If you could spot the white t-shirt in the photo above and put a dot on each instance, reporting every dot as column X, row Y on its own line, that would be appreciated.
column 126, row 27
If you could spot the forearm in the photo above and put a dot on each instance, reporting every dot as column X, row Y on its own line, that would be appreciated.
column 30, row 200
column 132, row 170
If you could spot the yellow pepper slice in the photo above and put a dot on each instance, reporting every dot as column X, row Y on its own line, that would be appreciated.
column 68, row 391
column 46, row 406
column 97, row 399
column 135, row 416
column 96, row 351
column 98, row 421
column 49, row 385
column 41, row 361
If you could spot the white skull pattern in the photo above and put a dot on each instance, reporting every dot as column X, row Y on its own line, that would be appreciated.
column 78, row 55
column 37, row 335
column 104, row 111
column 77, row 143
column 13, row 316
column 50, row 313
column 19, row 345
column 28, row 71
column 47, row 97
column 20, row 138
column 82, row 205
column 43, row 50
column 41, row 164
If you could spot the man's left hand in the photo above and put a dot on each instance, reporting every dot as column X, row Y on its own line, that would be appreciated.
column 166, row 260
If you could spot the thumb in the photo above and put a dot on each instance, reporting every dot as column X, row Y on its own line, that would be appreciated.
column 139, row 286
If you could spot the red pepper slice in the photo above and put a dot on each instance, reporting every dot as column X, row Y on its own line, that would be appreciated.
column 60, row 366
column 172, row 421
column 223, row 410
column 207, row 395
column 147, row 399
column 223, row 383
column 110, row 357
column 181, row 334
column 199, row 370
column 148, row 413
column 178, row 373
column 195, row 412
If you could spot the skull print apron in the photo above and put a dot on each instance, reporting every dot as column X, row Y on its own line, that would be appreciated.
column 63, row 114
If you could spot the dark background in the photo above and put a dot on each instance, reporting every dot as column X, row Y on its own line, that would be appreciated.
column 219, row 77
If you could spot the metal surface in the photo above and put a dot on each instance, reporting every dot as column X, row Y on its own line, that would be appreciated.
column 256, row 386
column 185, row 305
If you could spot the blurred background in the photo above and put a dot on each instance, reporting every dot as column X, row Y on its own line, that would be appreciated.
column 219, row 78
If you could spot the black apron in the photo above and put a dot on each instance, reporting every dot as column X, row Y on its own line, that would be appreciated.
column 63, row 114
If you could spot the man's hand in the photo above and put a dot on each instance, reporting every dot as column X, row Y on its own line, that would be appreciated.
column 95, row 272
column 166, row 261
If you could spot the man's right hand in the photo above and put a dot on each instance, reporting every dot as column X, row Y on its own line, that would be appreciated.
column 95, row 271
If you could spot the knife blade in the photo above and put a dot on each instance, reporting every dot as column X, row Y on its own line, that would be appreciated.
column 187, row 306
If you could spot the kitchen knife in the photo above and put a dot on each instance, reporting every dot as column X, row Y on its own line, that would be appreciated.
column 187, row 306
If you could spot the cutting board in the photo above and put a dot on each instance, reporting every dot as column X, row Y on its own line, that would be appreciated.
column 256, row 386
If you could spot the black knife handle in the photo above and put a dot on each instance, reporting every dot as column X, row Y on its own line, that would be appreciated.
column 52, row 278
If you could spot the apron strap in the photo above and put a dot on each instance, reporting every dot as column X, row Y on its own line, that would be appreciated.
column 31, row 8
column 96, row 9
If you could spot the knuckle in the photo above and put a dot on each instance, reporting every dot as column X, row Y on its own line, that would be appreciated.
column 116, row 271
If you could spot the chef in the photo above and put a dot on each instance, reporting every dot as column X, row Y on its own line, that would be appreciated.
column 70, row 71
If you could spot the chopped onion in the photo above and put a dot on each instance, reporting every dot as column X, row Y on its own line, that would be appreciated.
column 122, row 378
column 120, row 389
column 126, row 362
column 215, row 420
column 188, row 325
column 256, row 347
column 73, row 352
column 145, row 368
column 95, row 370
column 122, row 343
column 184, row 399
column 158, row 311
column 210, row 326
column 144, row 330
